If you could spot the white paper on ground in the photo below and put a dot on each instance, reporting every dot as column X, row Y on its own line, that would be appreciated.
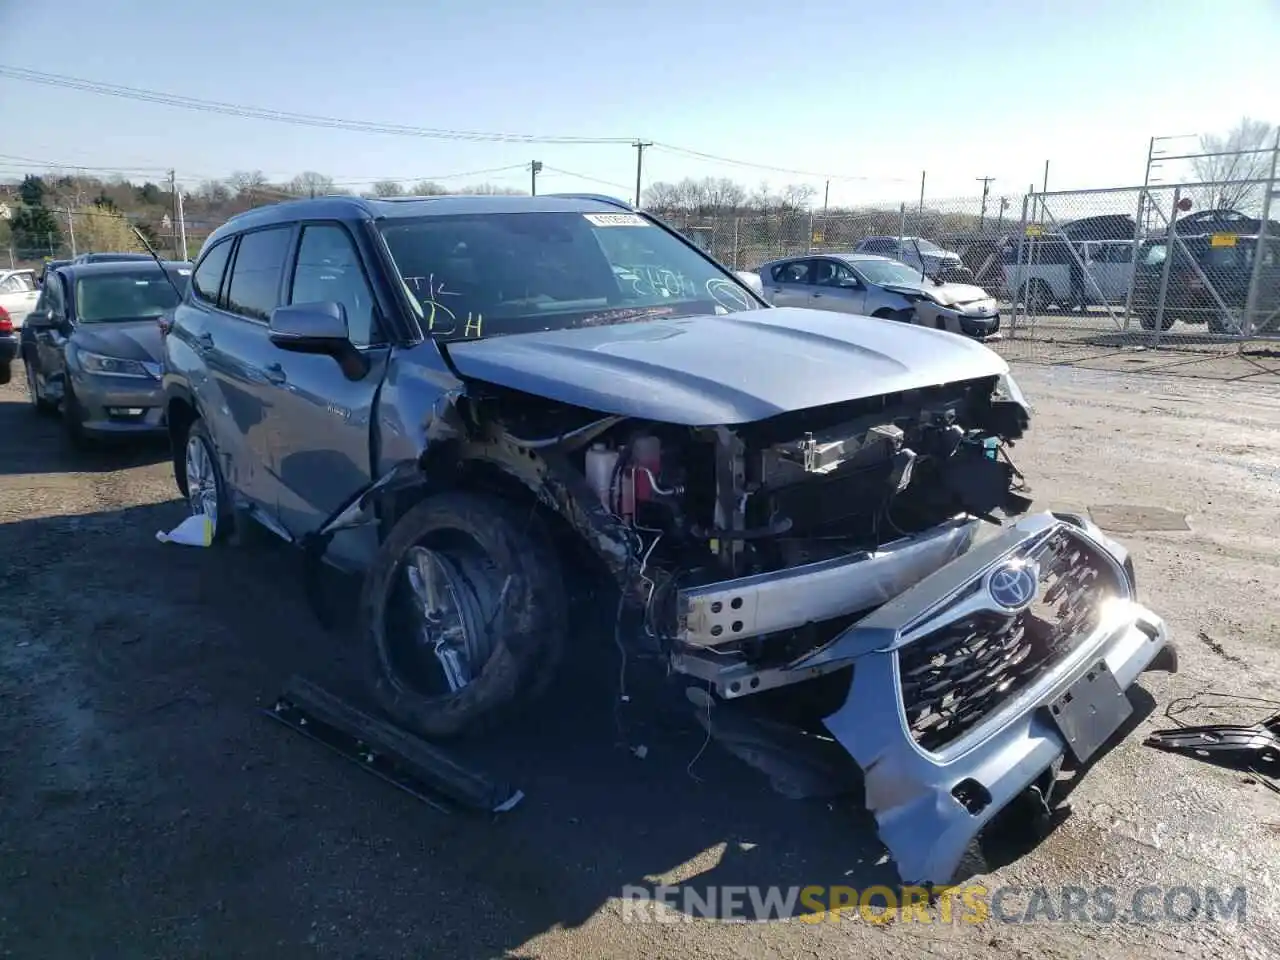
column 195, row 531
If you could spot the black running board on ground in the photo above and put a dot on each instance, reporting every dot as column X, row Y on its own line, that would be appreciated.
column 417, row 767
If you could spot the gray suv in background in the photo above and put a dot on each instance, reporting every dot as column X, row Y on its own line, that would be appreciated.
column 466, row 399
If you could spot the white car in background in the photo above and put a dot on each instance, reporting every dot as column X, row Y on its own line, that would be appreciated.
column 18, row 294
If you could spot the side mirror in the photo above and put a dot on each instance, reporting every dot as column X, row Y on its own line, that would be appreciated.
column 317, row 328
column 40, row 320
column 751, row 280
column 849, row 283
column 310, row 328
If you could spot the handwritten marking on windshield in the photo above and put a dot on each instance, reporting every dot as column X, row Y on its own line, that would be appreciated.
column 728, row 295
column 475, row 323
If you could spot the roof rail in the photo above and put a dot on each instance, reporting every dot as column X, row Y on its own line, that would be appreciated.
column 612, row 201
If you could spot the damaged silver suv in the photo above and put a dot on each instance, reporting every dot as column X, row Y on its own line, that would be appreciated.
column 813, row 517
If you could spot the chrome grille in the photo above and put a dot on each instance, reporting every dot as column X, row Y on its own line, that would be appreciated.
column 979, row 658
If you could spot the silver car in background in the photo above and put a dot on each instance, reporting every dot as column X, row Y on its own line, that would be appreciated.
column 919, row 254
column 873, row 286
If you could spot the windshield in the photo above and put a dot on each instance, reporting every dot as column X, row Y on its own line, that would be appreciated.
column 484, row 275
column 887, row 271
column 135, row 295
column 926, row 246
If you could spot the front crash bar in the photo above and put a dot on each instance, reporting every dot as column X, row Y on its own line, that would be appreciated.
column 785, row 599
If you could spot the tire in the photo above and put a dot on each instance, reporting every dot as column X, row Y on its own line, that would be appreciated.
column 1038, row 295
column 6, row 374
column 38, row 403
column 507, row 589
column 73, row 419
column 210, row 495
column 1148, row 321
column 902, row 316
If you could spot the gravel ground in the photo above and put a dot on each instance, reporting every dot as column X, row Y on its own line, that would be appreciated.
column 148, row 809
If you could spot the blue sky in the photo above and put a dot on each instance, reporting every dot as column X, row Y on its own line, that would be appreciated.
column 869, row 90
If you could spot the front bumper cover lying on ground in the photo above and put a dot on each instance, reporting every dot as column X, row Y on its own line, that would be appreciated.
column 932, row 789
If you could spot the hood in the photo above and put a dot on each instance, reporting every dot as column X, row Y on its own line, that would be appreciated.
column 947, row 293
column 125, row 340
column 736, row 368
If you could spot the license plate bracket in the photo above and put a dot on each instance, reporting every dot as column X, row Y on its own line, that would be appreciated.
column 1089, row 711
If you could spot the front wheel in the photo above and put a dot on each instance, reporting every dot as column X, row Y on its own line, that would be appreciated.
column 73, row 418
column 201, row 482
column 464, row 614
column 38, row 403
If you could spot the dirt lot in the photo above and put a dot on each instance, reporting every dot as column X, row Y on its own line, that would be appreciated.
column 148, row 809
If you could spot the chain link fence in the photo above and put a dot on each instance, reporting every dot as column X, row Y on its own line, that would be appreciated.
column 1144, row 268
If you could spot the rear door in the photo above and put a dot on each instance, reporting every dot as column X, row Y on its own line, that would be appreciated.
column 321, row 452
column 791, row 284
column 236, row 355
column 1111, row 267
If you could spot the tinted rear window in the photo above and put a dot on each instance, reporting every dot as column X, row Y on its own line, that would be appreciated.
column 254, row 290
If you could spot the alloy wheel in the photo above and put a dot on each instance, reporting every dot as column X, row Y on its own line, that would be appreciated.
column 443, row 607
column 202, row 481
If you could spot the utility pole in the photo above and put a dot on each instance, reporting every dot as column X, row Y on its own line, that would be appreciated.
column 923, row 174
column 182, row 227
column 826, row 195
column 71, row 228
column 173, row 192
column 986, row 191
column 535, row 168
column 639, row 145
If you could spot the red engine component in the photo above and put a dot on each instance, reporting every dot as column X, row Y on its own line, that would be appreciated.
column 643, row 467
column 646, row 457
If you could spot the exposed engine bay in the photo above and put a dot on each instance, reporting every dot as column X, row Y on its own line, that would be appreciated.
column 836, row 485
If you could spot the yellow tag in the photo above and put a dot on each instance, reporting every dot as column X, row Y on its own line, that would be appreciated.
column 1223, row 240
column 1034, row 230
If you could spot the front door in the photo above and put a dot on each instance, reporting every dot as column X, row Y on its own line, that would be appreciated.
column 50, row 339
column 321, row 452
column 836, row 287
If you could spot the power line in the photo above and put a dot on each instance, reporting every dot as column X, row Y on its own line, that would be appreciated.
column 671, row 148
column 285, row 116
column 363, row 126
column 583, row 176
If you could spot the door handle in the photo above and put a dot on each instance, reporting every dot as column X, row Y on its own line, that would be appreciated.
column 817, row 296
column 204, row 341
column 275, row 373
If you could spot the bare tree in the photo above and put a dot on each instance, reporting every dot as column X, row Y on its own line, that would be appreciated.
column 311, row 184
column 428, row 188
column 213, row 192
column 491, row 190
column 247, row 183
column 661, row 196
column 1235, row 165
column 798, row 196
column 388, row 188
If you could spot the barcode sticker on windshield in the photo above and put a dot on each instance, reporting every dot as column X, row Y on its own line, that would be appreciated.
column 616, row 219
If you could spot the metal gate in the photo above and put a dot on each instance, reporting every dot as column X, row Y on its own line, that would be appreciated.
column 1144, row 266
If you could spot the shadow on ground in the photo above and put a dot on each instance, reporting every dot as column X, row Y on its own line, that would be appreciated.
column 149, row 807
column 46, row 448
